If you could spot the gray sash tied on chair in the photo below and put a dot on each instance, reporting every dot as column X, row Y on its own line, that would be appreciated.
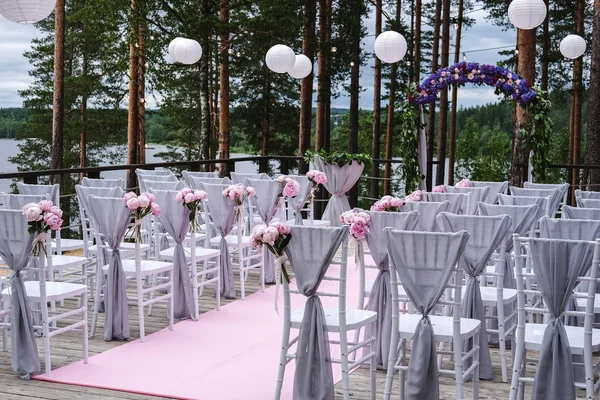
column 557, row 264
column 175, row 219
column 381, row 295
column 339, row 181
column 15, row 249
column 112, row 218
column 424, row 262
column 487, row 233
column 310, row 252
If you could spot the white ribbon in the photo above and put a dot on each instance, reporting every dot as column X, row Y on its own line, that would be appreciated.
column 280, row 263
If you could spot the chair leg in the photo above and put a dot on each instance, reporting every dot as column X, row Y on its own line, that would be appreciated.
column 203, row 277
column 242, row 262
column 140, row 304
column 475, row 360
column 458, row 368
column 151, row 294
column 345, row 367
column 171, row 302
column 373, row 363
column 84, row 328
column 393, row 356
column 97, row 298
column 4, row 329
column 196, row 310
column 285, row 343
column 521, row 391
column 218, row 282
column 401, row 374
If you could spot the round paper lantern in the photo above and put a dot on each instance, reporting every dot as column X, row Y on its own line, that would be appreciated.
column 572, row 46
column 187, row 51
column 26, row 12
column 172, row 47
column 527, row 14
column 280, row 59
column 390, row 47
column 302, row 67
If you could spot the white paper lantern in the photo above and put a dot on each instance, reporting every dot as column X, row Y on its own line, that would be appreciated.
column 302, row 67
column 187, row 51
column 280, row 59
column 527, row 14
column 172, row 46
column 390, row 47
column 572, row 46
column 26, row 11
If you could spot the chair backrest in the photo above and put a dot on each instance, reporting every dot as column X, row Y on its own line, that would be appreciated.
column 569, row 212
column 158, row 171
column 475, row 195
column 457, row 200
column 298, row 203
column 571, row 229
column 106, row 183
column 588, row 203
column 404, row 221
column 542, row 202
column 582, row 194
column 563, row 189
column 196, row 182
column 198, row 174
column 239, row 178
column 18, row 201
column 427, row 213
column 50, row 191
column 264, row 203
column 164, row 178
column 555, row 196
column 147, row 184
column 523, row 218
column 495, row 188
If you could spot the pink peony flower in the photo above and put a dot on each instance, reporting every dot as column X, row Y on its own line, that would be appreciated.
column 359, row 231
column 396, row 202
column 200, row 195
column 186, row 190
column 179, row 197
column 45, row 205
column 291, row 189
column 465, row 183
column 347, row 217
column 143, row 200
column 226, row 192
column 150, row 197
column 281, row 178
column 189, row 198
column 320, row 178
column 133, row 203
column 53, row 221
column 439, row 189
column 33, row 212
column 128, row 196
column 377, row 206
column 56, row 211
column 251, row 191
column 414, row 196
column 232, row 194
column 155, row 208
column 282, row 228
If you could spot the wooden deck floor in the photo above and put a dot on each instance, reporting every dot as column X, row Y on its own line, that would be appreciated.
column 66, row 349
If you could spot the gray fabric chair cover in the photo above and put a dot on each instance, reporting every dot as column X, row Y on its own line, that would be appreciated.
column 339, row 181
column 175, row 219
column 456, row 200
column 239, row 178
column 84, row 192
column 112, row 218
column 147, row 184
column 53, row 191
column 557, row 265
column 542, row 202
column 106, row 183
column 265, row 204
column 476, row 194
column 424, row 261
column 495, row 188
column 487, row 233
column 554, row 194
column 310, row 252
column 18, row 201
column 160, row 178
column 563, row 188
column 298, row 202
column 15, row 249
column 582, row 194
column 158, row 171
column 187, row 174
column 380, row 298
column 427, row 213
column 222, row 212
column 196, row 182
column 588, row 203
column 569, row 212
column 570, row 229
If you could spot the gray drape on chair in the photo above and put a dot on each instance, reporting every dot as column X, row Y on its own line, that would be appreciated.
column 554, row 194
column 265, row 203
column 153, row 177
column 222, row 212
column 158, row 171
column 297, row 203
column 112, row 218
column 456, row 200
column 310, row 252
column 562, row 188
column 569, row 212
column 84, row 192
column 557, row 264
column 186, row 175
column 475, row 195
column 239, row 178
column 588, row 203
column 147, row 184
column 427, row 213
column 15, row 249
column 175, row 219
column 41, row 190
column 18, row 201
column 424, row 261
column 196, row 182
column 105, row 183
column 487, row 233
column 380, row 298
column 495, row 188
column 582, row 194
column 339, row 181
column 542, row 202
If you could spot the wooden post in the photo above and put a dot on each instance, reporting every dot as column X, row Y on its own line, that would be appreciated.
column 431, row 121
column 452, row 151
column 308, row 49
column 58, row 101
column 376, row 145
column 133, row 113
column 443, row 119
column 224, row 92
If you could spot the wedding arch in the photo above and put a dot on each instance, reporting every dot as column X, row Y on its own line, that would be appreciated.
column 535, row 133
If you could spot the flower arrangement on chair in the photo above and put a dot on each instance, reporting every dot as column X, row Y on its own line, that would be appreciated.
column 465, row 183
column 388, row 203
column 415, row 196
column 275, row 237
column 140, row 206
column 239, row 193
column 290, row 188
column 359, row 222
column 317, row 178
column 191, row 199
column 41, row 217
column 439, row 189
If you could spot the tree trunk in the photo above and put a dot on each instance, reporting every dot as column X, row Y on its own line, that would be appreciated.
column 526, row 44
column 324, row 80
column 455, row 97
column 58, row 102
column 443, row 119
column 141, row 96
column 417, row 39
column 264, row 140
column 133, row 125
column 205, row 128
column 84, row 100
column 592, row 154
column 308, row 49
column 354, row 96
column 577, row 98
column 327, row 122
column 545, row 50
column 434, row 67
column 376, row 148
column 224, row 91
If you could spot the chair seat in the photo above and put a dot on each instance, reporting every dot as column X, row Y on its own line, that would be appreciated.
column 401, row 292
column 489, row 295
column 201, row 253
column 306, row 222
column 355, row 318
column 125, row 246
column 442, row 326
column 232, row 240
column 535, row 332
column 147, row 267
column 68, row 245
column 581, row 304
column 55, row 291
column 64, row 262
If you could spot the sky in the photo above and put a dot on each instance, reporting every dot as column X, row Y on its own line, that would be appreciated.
column 16, row 39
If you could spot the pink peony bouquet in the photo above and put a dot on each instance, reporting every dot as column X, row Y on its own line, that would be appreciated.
column 439, row 189
column 289, row 187
column 41, row 217
column 415, row 196
column 191, row 199
column 388, row 203
column 316, row 178
column 359, row 222
column 239, row 193
column 140, row 207
column 465, row 183
column 275, row 237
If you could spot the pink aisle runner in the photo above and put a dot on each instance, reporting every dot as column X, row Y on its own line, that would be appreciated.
column 231, row 354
